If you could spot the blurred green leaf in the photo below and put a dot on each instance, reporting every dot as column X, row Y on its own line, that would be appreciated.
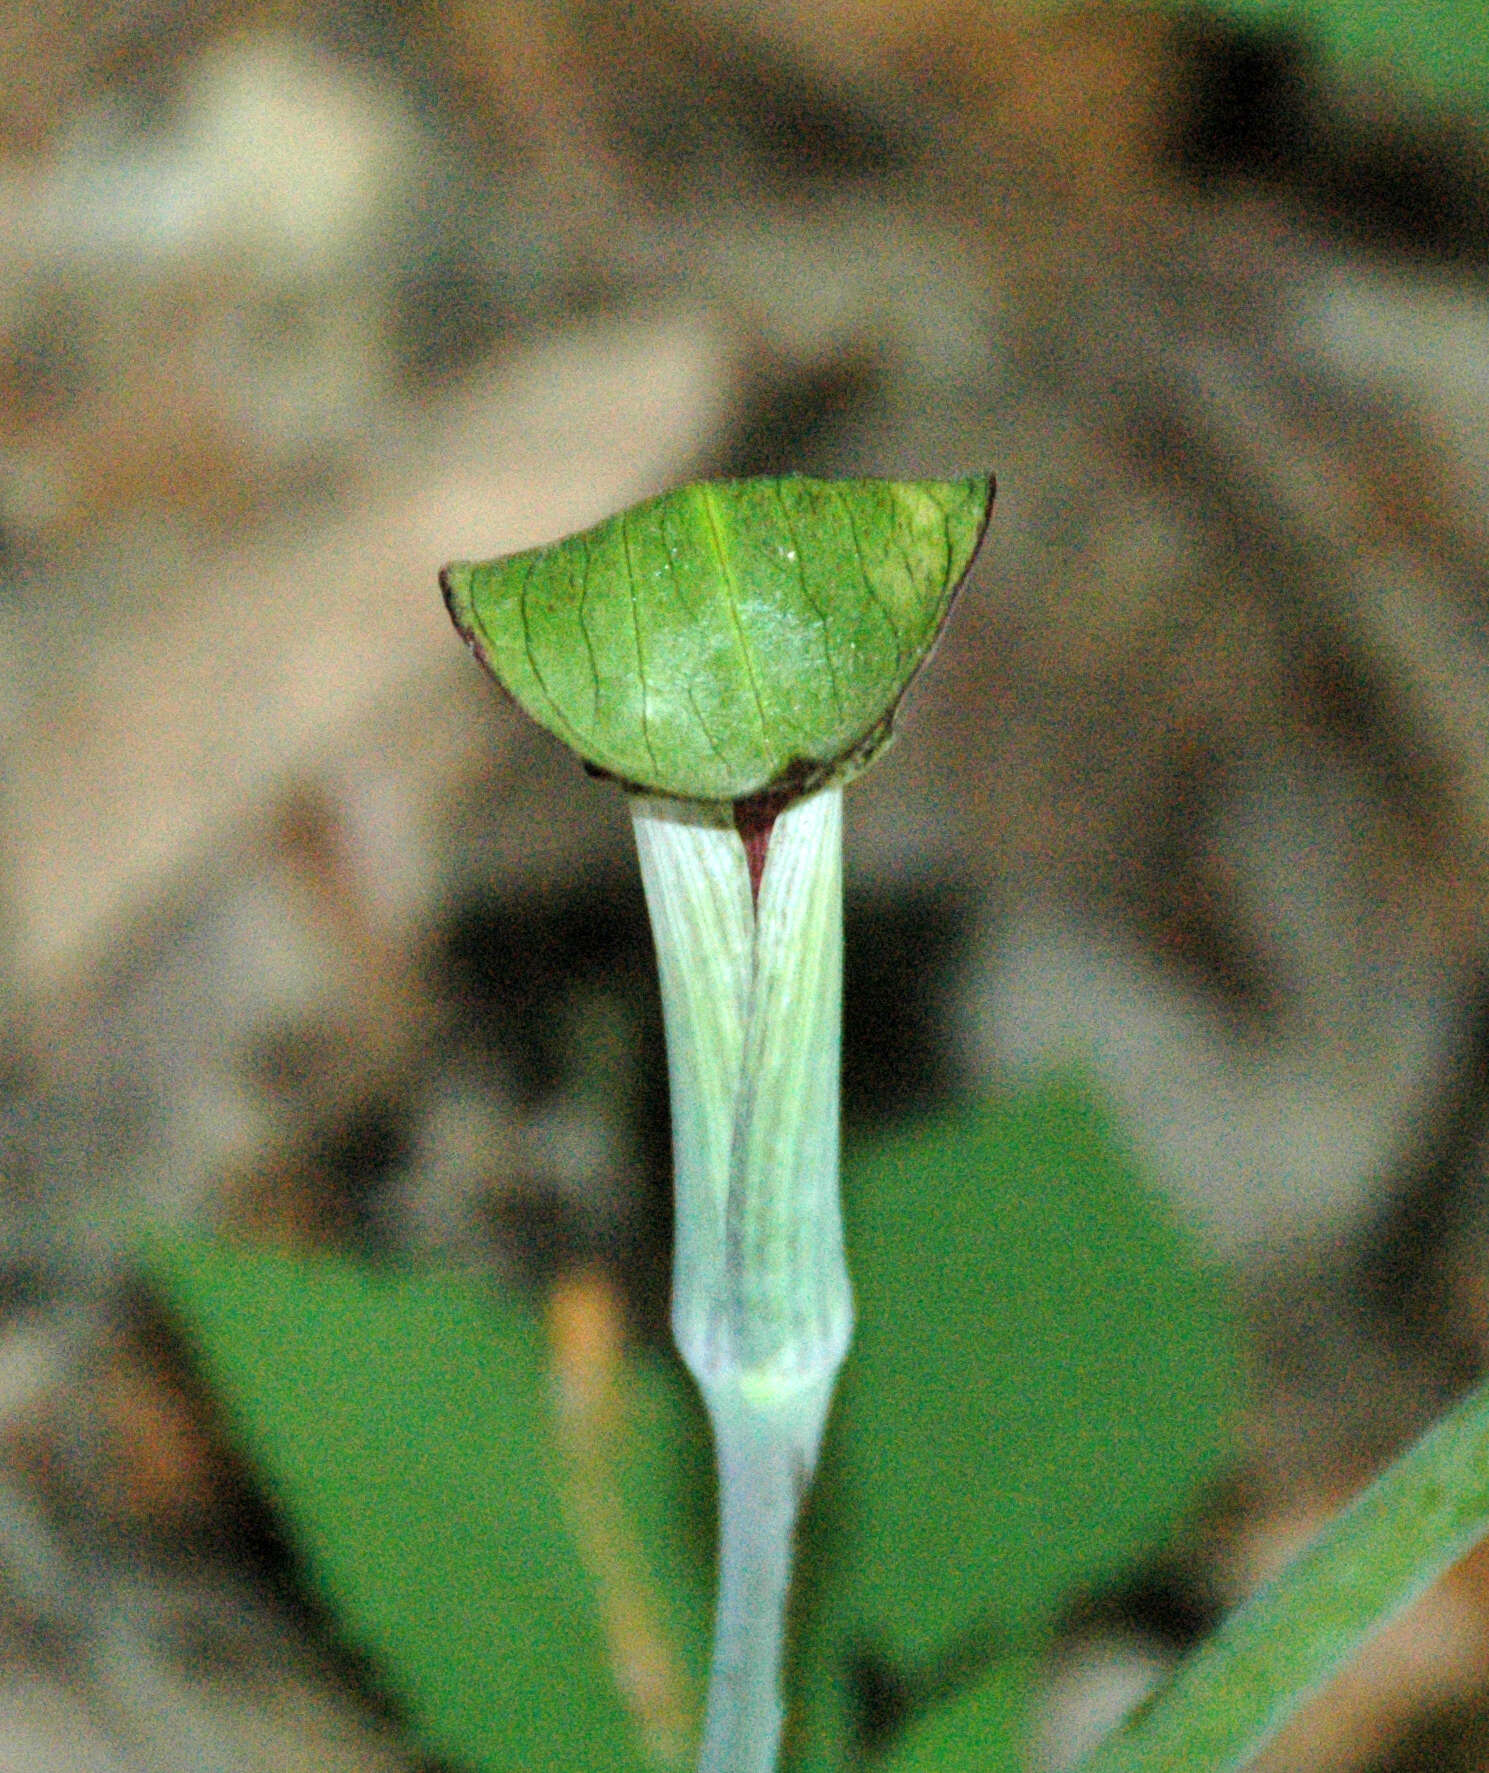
column 403, row 1424
column 981, row 1728
column 1044, row 1374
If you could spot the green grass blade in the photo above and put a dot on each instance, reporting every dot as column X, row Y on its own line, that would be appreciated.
column 1418, row 1517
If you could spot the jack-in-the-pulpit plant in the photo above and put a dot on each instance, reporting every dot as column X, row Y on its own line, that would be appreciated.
column 732, row 653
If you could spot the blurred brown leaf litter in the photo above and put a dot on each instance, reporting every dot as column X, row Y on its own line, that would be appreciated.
column 299, row 299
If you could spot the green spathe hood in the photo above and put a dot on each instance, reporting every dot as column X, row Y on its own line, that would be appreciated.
column 730, row 637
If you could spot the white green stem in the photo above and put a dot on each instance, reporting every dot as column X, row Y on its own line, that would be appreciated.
column 761, row 1307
